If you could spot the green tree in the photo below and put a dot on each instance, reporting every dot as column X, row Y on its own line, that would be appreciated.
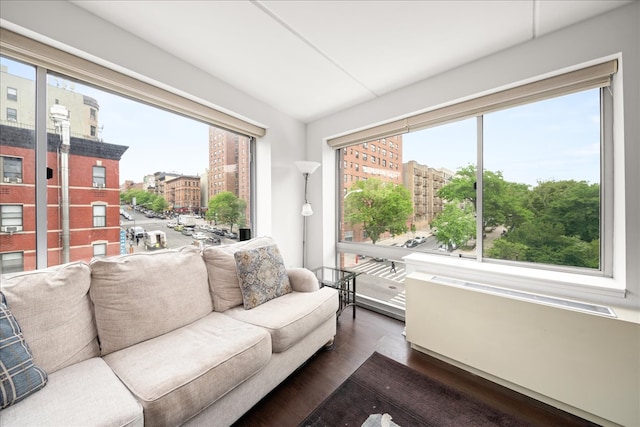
column 379, row 206
column 226, row 208
column 503, row 201
column 454, row 225
column 159, row 204
column 575, row 205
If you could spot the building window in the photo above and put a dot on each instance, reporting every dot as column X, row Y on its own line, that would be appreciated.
column 99, row 176
column 12, row 115
column 11, row 168
column 93, row 130
column 99, row 215
column 12, row 94
column 10, row 218
column 92, row 113
column 11, row 262
column 99, row 250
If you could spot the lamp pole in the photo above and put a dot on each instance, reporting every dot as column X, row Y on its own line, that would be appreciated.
column 306, row 168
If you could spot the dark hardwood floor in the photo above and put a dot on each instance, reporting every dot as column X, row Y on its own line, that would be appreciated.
column 355, row 341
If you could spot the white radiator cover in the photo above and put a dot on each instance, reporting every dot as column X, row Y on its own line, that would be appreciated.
column 583, row 363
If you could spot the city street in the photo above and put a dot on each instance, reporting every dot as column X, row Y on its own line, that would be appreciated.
column 175, row 239
column 376, row 280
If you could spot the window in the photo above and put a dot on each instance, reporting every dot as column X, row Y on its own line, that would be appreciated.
column 99, row 176
column 11, row 262
column 99, row 215
column 11, row 169
column 12, row 94
column 516, row 183
column 12, row 115
column 10, row 218
column 99, row 250
column 98, row 101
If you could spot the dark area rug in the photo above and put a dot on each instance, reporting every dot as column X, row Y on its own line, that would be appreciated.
column 383, row 386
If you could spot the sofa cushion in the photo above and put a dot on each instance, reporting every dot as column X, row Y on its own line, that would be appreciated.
column 262, row 275
column 141, row 296
column 223, row 276
column 290, row 317
column 19, row 377
column 53, row 309
column 178, row 374
column 85, row 394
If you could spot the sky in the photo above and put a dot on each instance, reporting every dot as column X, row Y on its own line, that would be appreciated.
column 554, row 139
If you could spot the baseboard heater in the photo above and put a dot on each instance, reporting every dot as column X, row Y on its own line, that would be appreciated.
column 526, row 296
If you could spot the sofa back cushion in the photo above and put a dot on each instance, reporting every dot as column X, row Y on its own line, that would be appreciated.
column 54, row 311
column 141, row 296
column 223, row 274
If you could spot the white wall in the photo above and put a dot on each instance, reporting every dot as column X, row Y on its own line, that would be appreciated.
column 72, row 29
column 604, row 36
column 585, row 364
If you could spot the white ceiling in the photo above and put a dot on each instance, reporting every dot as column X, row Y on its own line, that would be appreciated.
column 309, row 59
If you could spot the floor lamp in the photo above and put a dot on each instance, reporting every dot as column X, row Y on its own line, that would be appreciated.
column 306, row 169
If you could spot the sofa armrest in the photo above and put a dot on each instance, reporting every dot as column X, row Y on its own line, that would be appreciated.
column 303, row 280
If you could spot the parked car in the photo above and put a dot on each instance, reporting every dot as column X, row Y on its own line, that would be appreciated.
column 411, row 243
column 187, row 231
column 420, row 239
column 199, row 235
column 172, row 224
column 212, row 241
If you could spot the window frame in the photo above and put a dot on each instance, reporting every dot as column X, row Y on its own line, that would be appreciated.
column 12, row 96
column 97, row 178
column 12, row 114
column 96, row 215
column 102, row 254
column 608, row 284
column 4, row 173
column 8, row 220
column 46, row 59
column 12, row 269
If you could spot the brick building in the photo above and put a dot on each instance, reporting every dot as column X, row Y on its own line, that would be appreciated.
column 229, row 168
column 424, row 182
column 380, row 159
column 94, row 199
column 183, row 193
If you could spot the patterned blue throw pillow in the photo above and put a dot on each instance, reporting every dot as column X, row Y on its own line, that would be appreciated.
column 262, row 275
column 19, row 377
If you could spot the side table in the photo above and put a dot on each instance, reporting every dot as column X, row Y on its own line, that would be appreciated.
column 342, row 280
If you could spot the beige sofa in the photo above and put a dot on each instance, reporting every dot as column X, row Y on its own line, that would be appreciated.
column 163, row 338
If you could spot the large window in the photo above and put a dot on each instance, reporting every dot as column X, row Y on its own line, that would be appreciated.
column 517, row 181
column 91, row 123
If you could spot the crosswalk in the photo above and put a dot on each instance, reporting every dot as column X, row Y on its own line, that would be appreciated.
column 383, row 270
column 380, row 270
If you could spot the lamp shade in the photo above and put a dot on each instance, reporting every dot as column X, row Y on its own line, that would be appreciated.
column 306, row 210
column 307, row 167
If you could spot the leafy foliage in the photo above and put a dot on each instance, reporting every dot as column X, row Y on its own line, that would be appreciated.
column 555, row 222
column 227, row 208
column 455, row 225
column 144, row 198
column 379, row 207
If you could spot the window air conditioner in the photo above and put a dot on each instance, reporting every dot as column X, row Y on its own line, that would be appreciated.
column 11, row 228
column 12, row 179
